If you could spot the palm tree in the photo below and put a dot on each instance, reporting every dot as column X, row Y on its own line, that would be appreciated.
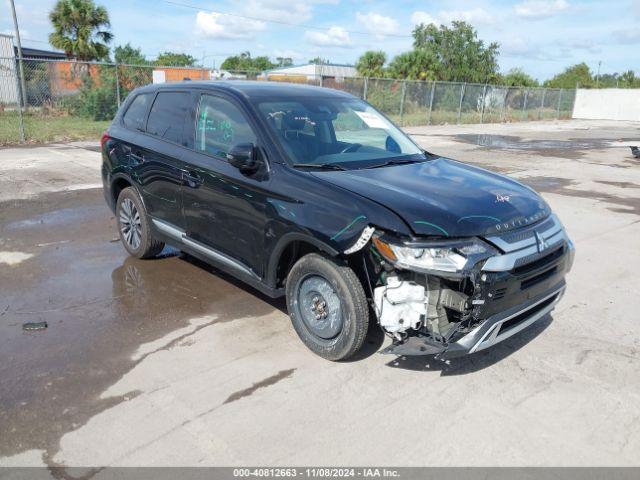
column 80, row 28
column 371, row 64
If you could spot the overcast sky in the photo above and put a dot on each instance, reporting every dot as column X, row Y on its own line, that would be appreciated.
column 541, row 36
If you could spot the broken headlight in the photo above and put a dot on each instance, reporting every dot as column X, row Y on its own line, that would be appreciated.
column 452, row 256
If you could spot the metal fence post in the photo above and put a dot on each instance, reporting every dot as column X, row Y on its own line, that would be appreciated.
column 460, row 104
column 19, row 101
column 404, row 92
column 484, row 96
column 558, row 109
column 544, row 92
column 117, row 86
column 433, row 90
column 366, row 86
column 504, row 106
column 524, row 104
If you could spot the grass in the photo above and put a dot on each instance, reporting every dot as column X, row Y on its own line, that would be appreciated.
column 48, row 129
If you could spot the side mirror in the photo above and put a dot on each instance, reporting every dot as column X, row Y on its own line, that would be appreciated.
column 244, row 157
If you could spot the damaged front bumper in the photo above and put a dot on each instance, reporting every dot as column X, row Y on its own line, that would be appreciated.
column 503, row 325
column 512, row 291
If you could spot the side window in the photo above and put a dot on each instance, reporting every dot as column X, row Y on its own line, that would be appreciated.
column 168, row 116
column 134, row 116
column 220, row 126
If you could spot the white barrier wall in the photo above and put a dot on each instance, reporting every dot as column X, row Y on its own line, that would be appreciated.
column 607, row 104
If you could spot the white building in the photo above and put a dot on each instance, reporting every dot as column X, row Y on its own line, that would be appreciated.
column 312, row 70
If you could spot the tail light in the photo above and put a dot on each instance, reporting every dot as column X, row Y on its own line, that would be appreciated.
column 105, row 137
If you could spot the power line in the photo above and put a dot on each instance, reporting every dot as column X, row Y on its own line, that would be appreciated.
column 280, row 22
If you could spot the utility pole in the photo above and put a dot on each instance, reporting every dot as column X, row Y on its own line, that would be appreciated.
column 598, row 74
column 23, row 85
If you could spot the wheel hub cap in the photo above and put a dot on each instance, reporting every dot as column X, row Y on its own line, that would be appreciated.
column 130, row 224
column 320, row 307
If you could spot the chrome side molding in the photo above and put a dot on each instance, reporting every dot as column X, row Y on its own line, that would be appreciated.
column 181, row 236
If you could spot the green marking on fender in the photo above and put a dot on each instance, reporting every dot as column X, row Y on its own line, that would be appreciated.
column 479, row 216
column 355, row 220
column 422, row 222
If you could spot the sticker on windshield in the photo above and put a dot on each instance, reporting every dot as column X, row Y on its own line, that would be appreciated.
column 372, row 120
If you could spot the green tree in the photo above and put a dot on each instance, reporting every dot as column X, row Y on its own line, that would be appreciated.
column 455, row 53
column 572, row 76
column 80, row 28
column 628, row 79
column 371, row 64
column 319, row 60
column 129, row 55
column 516, row 77
column 175, row 59
column 418, row 64
column 245, row 63
column 284, row 61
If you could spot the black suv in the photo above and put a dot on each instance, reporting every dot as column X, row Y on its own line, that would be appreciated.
column 313, row 194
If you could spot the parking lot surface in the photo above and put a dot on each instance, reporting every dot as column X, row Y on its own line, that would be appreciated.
column 168, row 362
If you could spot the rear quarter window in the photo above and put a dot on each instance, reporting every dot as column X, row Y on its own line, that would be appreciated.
column 168, row 117
column 134, row 116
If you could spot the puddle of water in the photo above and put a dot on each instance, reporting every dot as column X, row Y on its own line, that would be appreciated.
column 100, row 305
column 516, row 143
column 564, row 186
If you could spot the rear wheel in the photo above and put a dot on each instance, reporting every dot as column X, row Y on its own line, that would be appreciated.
column 327, row 306
column 134, row 226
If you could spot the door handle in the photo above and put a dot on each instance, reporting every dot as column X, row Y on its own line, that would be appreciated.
column 191, row 179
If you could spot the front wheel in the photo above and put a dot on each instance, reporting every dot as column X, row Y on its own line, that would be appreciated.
column 327, row 306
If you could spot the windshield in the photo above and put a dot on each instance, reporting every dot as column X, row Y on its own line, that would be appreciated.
column 336, row 131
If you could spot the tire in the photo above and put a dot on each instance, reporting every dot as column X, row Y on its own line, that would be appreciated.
column 134, row 226
column 336, row 330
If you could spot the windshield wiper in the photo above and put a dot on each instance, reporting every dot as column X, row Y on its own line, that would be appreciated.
column 319, row 166
column 395, row 162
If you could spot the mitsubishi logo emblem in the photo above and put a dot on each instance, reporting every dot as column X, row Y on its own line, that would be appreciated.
column 541, row 242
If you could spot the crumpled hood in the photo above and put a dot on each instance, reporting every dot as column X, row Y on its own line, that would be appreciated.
column 446, row 198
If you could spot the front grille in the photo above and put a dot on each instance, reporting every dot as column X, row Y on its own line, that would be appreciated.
column 530, row 282
column 537, row 260
column 518, row 319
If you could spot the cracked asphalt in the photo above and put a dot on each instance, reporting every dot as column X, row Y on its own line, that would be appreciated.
column 169, row 362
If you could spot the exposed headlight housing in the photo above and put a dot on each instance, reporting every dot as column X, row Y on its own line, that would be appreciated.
column 452, row 256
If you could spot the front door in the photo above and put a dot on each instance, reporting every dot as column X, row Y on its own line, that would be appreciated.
column 223, row 208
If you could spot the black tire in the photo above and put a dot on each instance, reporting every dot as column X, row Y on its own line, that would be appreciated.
column 146, row 246
column 353, row 309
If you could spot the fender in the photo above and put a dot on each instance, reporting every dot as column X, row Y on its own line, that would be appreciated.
column 123, row 176
column 284, row 241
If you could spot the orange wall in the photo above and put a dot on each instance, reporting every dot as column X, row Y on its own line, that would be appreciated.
column 178, row 74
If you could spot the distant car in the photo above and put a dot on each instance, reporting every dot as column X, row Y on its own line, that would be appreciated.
column 311, row 193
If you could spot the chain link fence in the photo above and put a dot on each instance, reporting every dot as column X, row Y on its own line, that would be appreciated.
column 67, row 100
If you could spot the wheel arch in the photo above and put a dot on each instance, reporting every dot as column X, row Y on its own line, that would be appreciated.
column 119, row 182
column 290, row 248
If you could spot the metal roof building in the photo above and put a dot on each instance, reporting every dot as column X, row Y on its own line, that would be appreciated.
column 312, row 70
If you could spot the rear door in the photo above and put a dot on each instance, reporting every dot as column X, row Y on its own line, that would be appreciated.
column 161, row 153
column 225, row 209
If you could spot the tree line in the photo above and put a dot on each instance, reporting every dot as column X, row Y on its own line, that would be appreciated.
column 451, row 53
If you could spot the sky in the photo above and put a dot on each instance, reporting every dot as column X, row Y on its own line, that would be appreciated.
column 540, row 36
